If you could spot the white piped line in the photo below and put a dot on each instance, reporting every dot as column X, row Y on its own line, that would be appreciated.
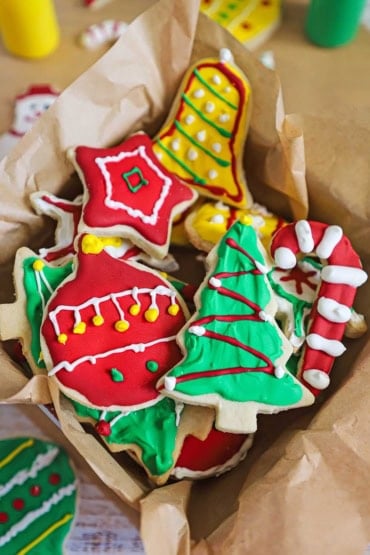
column 170, row 383
column 331, row 347
column 285, row 258
column 316, row 378
column 304, row 236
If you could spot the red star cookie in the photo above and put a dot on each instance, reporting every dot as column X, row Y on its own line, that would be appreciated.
column 128, row 193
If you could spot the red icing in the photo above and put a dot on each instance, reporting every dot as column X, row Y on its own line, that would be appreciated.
column 4, row 517
column 54, row 479
column 145, row 204
column 300, row 278
column 18, row 504
column 35, row 490
column 214, row 451
column 218, row 190
column 343, row 255
column 98, row 276
column 103, row 428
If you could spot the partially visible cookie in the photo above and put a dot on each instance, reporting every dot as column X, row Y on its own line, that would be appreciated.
column 37, row 496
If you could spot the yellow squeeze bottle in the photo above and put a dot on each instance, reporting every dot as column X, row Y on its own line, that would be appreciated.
column 29, row 28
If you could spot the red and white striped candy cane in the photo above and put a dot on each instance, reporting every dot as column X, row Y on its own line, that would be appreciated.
column 105, row 32
column 331, row 310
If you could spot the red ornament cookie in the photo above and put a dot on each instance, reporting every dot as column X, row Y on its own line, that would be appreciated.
column 128, row 193
column 331, row 311
column 109, row 331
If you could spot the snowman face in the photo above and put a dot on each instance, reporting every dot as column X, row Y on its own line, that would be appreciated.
column 29, row 108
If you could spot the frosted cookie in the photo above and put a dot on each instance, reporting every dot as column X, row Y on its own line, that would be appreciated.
column 28, row 108
column 129, row 194
column 100, row 34
column 154, row 435
column 213, row 456
column 202, row 141
column 206, row 225
column 109, row 331
column 67, row 215
column 234, row 352
column 37, row 496
column 35, row 281
column 340, row 276
column 252, row 22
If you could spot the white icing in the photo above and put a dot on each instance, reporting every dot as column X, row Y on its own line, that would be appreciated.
column 179, row 407
column 331, row 347
column 217, row 219
column 189, row 119
column 332, row 236
column 212, row 174
column 285, row 258
column 209, row 107
column 216, row 79
column 265, row 317
column 41, row 461
column 109, row 201
column 316, row 378
column 261, row 267
column 29, row 518
column 279, row 372
column 223, row 118
column 304, row 236
column 135, row 347
column 344, row 275
column 192, row 154
column 215, row 282
column 226, row 55
column 197, row 330
column 201, row 135
column 175, row 144
column 333, row 311
column 199, row 93
column 169, row 383
column 217, row 147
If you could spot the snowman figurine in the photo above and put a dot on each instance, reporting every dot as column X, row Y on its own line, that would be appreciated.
column 28, row 108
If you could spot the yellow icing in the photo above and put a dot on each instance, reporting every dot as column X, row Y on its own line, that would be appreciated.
column 207, row 227
column 151, row 314
column 15, row 453
column 91, row 244
column 38, row 265
column 134, row 309
column 98, row 320
column 228, row 105
column 121, row 325
column 173, row 309
column 45, row 534
column 80, row 328
column 62, row 338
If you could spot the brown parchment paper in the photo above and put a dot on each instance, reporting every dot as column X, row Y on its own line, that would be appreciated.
column 303, row 486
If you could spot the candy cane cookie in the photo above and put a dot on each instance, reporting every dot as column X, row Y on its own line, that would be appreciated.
column 340, row 277
column 202, row 140
column 99, row 34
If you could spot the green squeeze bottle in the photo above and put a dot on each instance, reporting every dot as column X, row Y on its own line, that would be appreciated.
column 331, row 23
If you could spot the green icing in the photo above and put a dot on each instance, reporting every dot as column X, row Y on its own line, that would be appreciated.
column 224, row 132
column 152, row 365
column 35, row 302
column 116, row 375
column 219, row 161
column 52, row 507
column 197, row 179
column 262, row 338
column 153, row 429
column 213, row 90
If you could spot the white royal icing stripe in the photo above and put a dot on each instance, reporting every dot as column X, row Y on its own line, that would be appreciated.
column 136, row 347
column 42, row 461
column 285, row 258
column 332, row 347
column 28, row 519
column 332, row 236
column 333, row 311
column 344, row 275
column 316, row 378
column 304, row 236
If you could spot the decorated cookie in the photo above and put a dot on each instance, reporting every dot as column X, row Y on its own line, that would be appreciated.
column 67, row 214
column 209, row 222
column 213, row 456
column 37, row 496
column 28, row 108
column 234, row 352
column 154, row 435
column 203, row 139
column 35, row 281
column 250, row 21
column 129, row 194
column 109, row 331
column 340, row 276
column 104, row 33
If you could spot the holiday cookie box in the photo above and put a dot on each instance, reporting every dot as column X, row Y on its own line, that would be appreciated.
column 308, row 467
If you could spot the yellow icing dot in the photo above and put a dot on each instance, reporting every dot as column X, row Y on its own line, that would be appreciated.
column 98, row 320
column 38, row 265
column 151, row 315
column 121, row 325
column 80, row 328
column 134, row 309
column 62, row 338
column 91, row 244
column 163, row 274
column 173, row 309
column 246, row 219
